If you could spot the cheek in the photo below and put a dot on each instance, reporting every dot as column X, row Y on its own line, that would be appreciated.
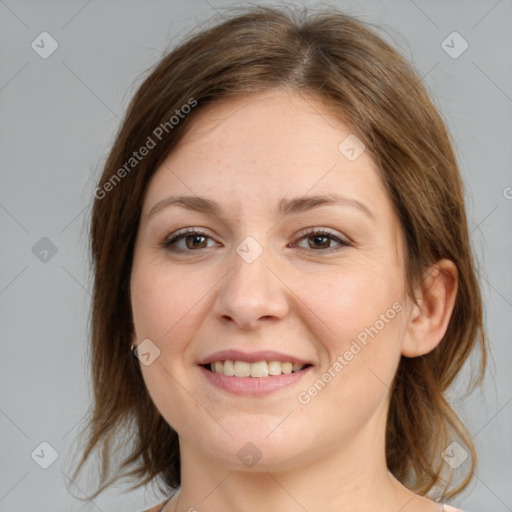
column 162, row 301
column 352, row 299
column 165, row 305
column 361, row 328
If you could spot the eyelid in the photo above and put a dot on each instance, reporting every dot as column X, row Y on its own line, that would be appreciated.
column 343, row 240
column 321, row 230
column 334, row 235
column 187, row 232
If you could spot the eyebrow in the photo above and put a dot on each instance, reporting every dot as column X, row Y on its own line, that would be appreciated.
column 285, row 206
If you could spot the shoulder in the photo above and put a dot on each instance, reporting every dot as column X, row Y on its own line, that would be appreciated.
column 159, row 507
column 448, row 508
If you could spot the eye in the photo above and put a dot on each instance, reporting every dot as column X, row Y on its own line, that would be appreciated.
column 323, row 238
column 193, row 240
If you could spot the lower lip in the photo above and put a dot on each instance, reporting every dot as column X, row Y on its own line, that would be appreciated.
column 255, row 386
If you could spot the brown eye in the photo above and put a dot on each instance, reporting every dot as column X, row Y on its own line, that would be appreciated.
column 320, row 240
column 316, row 240
column 193, row 240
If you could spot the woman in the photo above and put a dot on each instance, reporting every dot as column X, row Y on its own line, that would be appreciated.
column 280, row 237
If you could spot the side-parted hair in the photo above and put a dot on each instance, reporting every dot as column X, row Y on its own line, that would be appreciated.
column 374, row 90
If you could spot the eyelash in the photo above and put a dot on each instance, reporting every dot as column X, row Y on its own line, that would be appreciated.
column 167, row 243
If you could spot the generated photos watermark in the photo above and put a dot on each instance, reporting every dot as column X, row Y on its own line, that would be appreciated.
column 137, row 156
column 342, row 360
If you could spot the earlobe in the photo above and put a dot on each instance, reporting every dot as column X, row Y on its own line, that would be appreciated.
column 430, row 318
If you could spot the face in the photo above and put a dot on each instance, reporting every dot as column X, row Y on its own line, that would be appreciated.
column 314, row 282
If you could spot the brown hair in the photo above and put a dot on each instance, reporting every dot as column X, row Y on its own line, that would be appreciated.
column 370, row 86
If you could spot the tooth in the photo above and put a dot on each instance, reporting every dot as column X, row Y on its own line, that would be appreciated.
column 242, row 369
column 229, row 368
column 286, row 367
column 274, row 368
column 259, row 369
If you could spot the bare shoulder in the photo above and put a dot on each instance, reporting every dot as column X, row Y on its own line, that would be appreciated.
column 448, row 508
column 159, row 507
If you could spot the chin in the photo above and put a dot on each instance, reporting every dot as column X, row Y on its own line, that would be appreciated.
column 256, row 444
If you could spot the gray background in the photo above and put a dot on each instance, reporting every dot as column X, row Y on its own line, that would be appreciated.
column 58, row 117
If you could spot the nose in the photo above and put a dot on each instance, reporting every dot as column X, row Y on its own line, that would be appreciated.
column 251, row 293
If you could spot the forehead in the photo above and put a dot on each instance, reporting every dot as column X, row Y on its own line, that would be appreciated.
column 280, row 141
column 273, row 120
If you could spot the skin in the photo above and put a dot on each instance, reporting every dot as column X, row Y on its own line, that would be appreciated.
column 297, row 297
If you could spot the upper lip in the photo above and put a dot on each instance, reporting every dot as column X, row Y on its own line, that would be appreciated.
column 252, row 357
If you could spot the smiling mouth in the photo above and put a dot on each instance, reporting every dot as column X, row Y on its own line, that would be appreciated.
column 257, row 369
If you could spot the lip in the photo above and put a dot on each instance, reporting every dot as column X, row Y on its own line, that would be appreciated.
column 252, row 357
column 254, row 386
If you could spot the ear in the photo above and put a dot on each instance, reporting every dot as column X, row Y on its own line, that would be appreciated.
column 428, row 322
